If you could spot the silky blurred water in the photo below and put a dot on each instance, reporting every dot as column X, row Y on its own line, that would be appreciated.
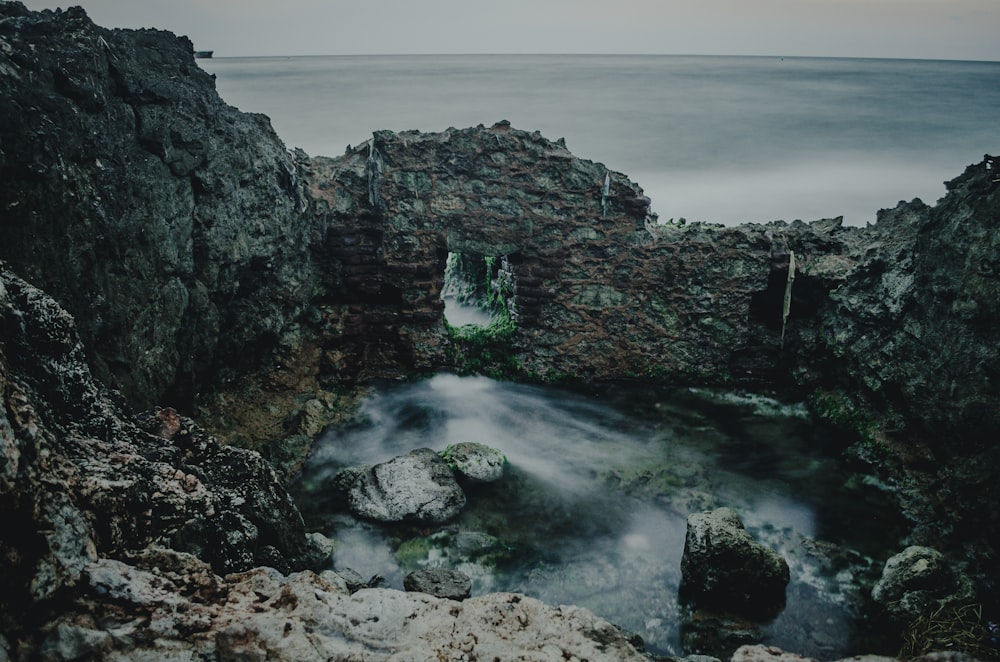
column 718, row 139
column 592, row 510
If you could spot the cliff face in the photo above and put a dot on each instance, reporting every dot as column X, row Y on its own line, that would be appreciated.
column 167, row 223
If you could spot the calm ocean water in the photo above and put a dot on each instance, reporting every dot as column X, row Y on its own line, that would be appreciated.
column 719, row 139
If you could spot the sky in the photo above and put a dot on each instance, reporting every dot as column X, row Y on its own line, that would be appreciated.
column 920, row 29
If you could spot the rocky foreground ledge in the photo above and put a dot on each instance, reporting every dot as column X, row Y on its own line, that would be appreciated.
column 162, row 249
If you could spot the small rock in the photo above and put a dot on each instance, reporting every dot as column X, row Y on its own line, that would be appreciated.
column 477, row 462
column 352, row 579
column 439, row 582
column 920, row 580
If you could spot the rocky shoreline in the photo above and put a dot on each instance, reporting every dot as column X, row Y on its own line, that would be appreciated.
column 163, row 252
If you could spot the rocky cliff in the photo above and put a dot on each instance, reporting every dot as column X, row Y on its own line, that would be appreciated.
column 173, row 250
column 168, row 223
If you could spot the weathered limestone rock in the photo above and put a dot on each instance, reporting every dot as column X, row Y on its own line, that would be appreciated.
column 81, row 481
column 919, row 581
column 476, row 462
column 439, row 582
column 723, row 566
column 417, row 486
column 262, row 614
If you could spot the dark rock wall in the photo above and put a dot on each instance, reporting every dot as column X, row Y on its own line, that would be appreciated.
column 168, row 223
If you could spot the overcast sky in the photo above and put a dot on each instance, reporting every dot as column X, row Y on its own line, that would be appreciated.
column 931, row 29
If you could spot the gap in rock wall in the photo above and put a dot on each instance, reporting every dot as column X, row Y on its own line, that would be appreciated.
column 478, row 289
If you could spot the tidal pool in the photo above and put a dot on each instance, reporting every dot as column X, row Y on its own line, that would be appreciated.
column 592, row 510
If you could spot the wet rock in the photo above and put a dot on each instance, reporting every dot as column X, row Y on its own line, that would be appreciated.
column 418, row 486
column 715, row 634
column 476, row 462
column 723, row 566
column 439, row 582
column 919, row 581
column 760, row 653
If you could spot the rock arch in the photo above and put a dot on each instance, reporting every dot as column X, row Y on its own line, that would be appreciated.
column 603, row 291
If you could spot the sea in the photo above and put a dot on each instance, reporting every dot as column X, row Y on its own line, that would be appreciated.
column 715, row 139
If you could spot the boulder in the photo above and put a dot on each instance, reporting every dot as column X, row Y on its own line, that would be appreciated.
column 723, row 566
column 439, row 582
column 918, row 581
column 417, row 486
column 476, row 462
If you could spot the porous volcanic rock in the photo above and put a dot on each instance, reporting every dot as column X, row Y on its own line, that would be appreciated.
column 476, row 462
column 261, row 614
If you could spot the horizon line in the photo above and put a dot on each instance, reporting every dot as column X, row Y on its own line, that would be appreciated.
column 571, row 54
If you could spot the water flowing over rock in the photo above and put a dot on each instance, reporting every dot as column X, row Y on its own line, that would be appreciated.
column 418, row 486
column 724, row 567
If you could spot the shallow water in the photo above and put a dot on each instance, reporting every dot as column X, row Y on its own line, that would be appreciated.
column 592, row 510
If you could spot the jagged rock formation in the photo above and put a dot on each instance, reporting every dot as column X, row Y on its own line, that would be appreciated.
column 82, row 480
column 209, row 269
column 169, row 224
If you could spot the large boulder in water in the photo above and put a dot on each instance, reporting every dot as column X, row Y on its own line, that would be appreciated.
column 919, row 580
column 724, row 567
column 417, row 486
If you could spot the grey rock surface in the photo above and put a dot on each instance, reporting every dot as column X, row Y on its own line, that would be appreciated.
column 418, row 486
column 477, row 462
column 919, row 581
column 439, row 582
column 81, row 480
column 169, row 224
column 723, row 565
column 262, row 614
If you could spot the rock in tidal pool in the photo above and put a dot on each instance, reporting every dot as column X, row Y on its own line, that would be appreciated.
column 723, row 566
column 417, row 486
column 477, row 462
column 439, row 582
